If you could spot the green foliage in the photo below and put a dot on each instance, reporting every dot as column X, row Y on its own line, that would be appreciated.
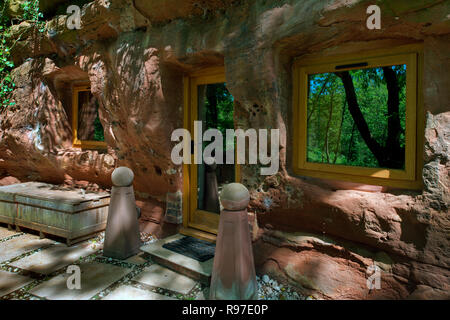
column 219, row 108
column 333, row 136
column 30, row 12
column 98, row 129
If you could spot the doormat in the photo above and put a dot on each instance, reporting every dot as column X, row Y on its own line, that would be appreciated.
column 197, row 249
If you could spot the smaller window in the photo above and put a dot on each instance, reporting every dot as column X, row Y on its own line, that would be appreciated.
column 86, row 126
column 355, row 119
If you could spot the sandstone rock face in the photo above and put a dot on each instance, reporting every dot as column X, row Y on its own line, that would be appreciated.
column 331, row 268
column 166, row 10
column 135, row 54
column 36, row 136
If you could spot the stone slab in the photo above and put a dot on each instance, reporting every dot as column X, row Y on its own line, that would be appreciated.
column 38, row 196
column 191, row 266
column 95, row 277
column 137, row 259
column 126, row 292
column 20, row 245
column 51, row 259
column 158, row 276
column 4, row 233
column 45, row 191
column 10, row 282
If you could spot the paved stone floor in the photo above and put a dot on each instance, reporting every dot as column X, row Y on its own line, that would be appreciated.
column 36, row 269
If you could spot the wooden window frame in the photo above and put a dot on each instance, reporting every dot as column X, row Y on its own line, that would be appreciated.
column 84, row 144
column 410, row 177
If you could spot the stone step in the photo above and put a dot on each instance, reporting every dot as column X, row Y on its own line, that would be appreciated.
column 200, row 271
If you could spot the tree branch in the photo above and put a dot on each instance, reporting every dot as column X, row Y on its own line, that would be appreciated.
column 358, row 117
column 393, row 108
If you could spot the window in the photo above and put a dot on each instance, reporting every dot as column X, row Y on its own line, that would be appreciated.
column 356, row 118
column 86, row 126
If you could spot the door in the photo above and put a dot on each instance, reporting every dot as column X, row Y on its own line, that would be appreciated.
column 208, row 102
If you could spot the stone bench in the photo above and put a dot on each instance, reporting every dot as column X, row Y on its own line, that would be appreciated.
column 69, row 214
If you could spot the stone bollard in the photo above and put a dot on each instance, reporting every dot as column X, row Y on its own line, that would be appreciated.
column 122, row 238
column 233, row 276
column 211, row 198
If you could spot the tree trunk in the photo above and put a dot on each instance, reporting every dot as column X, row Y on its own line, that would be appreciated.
column 393, row 150
column 391, row 155
column 338, row 141
column 358, row 117
column 349, row 152
column 330, row 115
column 324, row 85
column 212, row 103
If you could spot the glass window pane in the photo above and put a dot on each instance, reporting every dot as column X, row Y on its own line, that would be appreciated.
column 89, row 125
column 357, row 117
column 215, row 110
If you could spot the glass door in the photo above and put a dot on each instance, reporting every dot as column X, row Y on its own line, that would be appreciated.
column 212, row 105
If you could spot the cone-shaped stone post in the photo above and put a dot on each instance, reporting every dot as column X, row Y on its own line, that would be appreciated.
column 233, row 275
column 211, row 200
column 122, row 238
